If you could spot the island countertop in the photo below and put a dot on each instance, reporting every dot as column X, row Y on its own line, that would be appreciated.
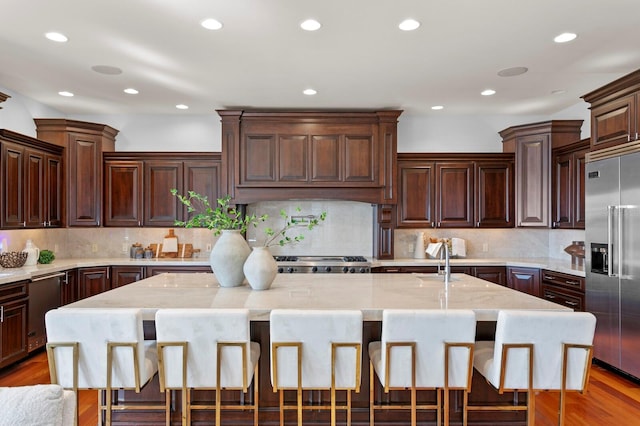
column 370, row 293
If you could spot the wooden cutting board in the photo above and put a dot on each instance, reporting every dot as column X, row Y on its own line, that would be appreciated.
column 184, row 251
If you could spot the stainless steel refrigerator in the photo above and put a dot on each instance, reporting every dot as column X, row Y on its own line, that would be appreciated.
column 612, row 237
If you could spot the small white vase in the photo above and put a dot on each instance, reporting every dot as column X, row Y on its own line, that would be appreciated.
column 33, row 253
column 260, row 268
column 227, row 258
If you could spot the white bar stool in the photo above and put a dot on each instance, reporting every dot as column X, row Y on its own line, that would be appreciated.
column 207, row 349
column 319, row 350
column 423, row 350
column 100, row 349
column 537, row 351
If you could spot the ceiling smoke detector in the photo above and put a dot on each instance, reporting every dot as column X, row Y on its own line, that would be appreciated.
column 513, row 71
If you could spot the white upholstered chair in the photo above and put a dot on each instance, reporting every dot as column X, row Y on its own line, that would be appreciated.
column 37, row 405
column 319, row 350
column 100, row 349
column 537, row 351
column 423, row 350
column 207, row 349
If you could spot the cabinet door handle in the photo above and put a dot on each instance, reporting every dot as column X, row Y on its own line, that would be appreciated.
column 433, row 224
column 1, row 314
column 24, row 224
column 478, row 225
column 628, row 137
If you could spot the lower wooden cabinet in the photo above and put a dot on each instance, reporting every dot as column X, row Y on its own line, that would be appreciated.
column 526, row 280
column 69, row 287
column 93, row 281
column 123, row 275
column 494, row 274
column 13, row 322
column 564, row 289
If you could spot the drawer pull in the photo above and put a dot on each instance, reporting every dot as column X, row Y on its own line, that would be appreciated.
column 573, row 282
column 571, row 303
column 549, row 296
column 549, row 277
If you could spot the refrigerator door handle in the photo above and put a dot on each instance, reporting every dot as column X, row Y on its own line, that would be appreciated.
column 610, row 212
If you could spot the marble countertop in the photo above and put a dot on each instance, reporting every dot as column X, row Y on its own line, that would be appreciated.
column 370, row 293
column 8, row 275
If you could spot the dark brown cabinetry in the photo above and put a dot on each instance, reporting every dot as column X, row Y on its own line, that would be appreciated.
column 564, row 289
column 32, row 182
column 526, row 280
column 93, row 281
column 276, row 155
column 85, row 143
column 138, row 186
column 567, row 191
column 615, row 112
column 13, row 322
column 69, row 287
column 532, row 144
column 455, row 190
column 123, row 275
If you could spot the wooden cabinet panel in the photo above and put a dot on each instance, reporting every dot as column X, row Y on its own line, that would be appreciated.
column 13, row 186
column 202, row 177
column 325, row 158
column 292, row 158
column 614, row 122
column 567, row 195
column 123, row 193
column 359, row 154
column 54, row 191
column 533, row 180
column 495, row 195
column 13, row 322
column 85, row 143
column 454, row 195
column 160, row 207
column 32, row 179
column 69, row 288
column 564, row 289
column 123, row 275
column 417, row 195
column 93, row 281
column 454, row 190
column 526, row 280
column 259, row 162
column 494, row 274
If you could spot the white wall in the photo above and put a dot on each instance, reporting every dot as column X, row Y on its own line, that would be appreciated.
column 18, row 112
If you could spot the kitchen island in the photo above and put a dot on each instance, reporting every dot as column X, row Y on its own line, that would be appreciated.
column 370, row 293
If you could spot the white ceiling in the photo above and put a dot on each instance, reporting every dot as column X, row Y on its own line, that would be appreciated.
column 358, row 59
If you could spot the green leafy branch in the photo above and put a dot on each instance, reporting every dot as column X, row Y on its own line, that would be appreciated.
column 219, row 218
column 281, row 238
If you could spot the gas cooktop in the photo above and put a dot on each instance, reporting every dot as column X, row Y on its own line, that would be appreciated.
column 323, row 264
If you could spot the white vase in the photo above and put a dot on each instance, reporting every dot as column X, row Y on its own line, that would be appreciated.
column 33, row 253
column 227, row 258
column 260, row 268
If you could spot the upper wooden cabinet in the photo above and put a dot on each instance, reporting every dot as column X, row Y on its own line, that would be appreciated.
column 455, row 190
column 85, row 143
column 32, row 182
column 137, row 190
column 277, row 155
column 615, row 112
column 532, row 144
column 567, row 191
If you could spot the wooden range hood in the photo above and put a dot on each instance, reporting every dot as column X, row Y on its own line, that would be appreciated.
column 271, row 155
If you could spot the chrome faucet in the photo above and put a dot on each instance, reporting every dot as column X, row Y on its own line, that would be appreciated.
column 447, row 267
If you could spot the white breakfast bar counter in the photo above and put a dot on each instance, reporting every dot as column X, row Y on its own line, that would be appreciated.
column 369, row 293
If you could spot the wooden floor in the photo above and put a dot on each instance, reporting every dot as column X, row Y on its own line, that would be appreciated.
column 609, row 400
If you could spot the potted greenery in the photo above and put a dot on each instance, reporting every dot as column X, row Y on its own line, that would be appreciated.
column 231, row 250
column 260, row 268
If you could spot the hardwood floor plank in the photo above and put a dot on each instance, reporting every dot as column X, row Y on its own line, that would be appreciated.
column 610, row 399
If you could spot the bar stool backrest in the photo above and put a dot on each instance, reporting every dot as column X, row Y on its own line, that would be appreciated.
column 92, row 329
column 547, row 331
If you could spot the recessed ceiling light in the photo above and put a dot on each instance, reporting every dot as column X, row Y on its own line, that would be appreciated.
column 309, row 92
column 65, row 93
column 106, row 69
column 182, row 106
column 437, row 107
column 409, row 25
column 488, row 92
column 310, row 25
column 211, row 24
column 53, row 36
column 131, row 91
column 513, row 71
column 565, row 37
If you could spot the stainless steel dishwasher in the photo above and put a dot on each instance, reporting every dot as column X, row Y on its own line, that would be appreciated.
column 44, row 295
